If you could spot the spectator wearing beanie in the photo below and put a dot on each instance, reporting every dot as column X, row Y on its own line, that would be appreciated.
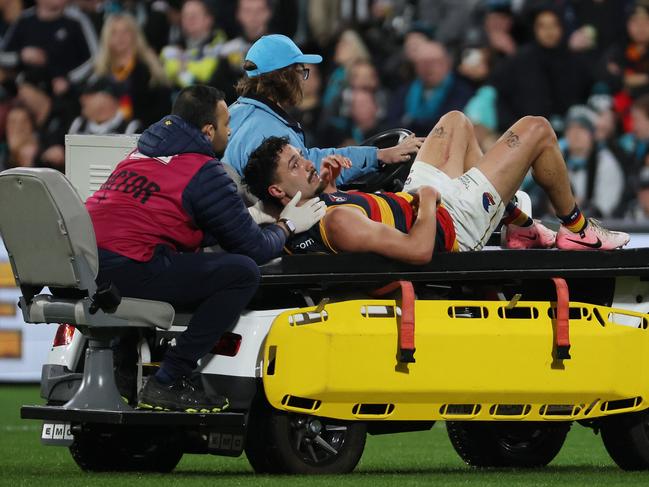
column 100, row 111
column 596, row 176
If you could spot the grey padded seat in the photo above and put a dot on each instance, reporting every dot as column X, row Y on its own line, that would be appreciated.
column 248, row 198
column 51, row 243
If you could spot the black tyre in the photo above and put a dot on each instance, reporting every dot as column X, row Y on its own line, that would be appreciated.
column 100, row 450
column 278, row 442
column 626, row 438
column 507, row 444
column 259, row 449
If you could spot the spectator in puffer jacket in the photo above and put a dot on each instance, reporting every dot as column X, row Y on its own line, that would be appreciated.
column 160, row 205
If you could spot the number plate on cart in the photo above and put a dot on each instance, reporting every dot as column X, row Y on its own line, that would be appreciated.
column 56, row 434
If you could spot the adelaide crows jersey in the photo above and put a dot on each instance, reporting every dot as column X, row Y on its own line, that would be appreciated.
column 394, row 209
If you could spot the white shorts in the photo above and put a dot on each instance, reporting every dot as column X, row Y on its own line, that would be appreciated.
column 472, row 201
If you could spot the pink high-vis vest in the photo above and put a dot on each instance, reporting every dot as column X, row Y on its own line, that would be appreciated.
column 140, row 206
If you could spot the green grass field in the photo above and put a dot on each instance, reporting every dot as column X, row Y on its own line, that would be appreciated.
column 405, row 459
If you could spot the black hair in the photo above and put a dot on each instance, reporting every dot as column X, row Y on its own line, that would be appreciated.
column 195, row 104
column 261, row 170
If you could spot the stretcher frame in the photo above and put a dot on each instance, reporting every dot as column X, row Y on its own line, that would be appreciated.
column 339, row 360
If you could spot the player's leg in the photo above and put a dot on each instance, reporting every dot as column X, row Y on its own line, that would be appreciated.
column 531, row 142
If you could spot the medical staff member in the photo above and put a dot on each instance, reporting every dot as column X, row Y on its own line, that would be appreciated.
column 160, row 205
column 275, row 69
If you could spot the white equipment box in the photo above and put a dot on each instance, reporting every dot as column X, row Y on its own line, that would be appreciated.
column 89, row 159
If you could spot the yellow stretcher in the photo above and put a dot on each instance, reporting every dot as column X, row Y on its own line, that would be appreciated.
column 475, row 360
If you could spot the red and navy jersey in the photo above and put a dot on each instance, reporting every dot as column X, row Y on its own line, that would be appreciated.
column 140, row 206
column 393, row 209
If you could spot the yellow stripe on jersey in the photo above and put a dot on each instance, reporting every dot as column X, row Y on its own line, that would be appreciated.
column 406, row 196
column 387, row 216
column 323, row 232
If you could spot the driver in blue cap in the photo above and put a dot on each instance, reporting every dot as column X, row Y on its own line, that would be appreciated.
column 275, row 70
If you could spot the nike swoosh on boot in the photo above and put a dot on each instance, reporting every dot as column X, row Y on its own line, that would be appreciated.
column 593, row 245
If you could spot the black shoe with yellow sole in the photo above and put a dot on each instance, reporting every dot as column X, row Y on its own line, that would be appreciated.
column 180, row 395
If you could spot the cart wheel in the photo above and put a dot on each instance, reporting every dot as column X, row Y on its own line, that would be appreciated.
column 507, row 444
column 101, row 450
column 279, row 442
column 626, row 438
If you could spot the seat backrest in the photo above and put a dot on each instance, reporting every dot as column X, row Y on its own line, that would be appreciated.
column 248, row 198
column 47, row 230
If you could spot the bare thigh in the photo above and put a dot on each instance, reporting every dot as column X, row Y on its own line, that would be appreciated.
column 451, row 145
column 507, row 162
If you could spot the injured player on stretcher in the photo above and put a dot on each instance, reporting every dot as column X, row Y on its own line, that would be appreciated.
column 454, row 197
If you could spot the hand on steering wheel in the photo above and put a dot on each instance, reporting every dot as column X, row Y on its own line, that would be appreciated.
column 399, row 145
column 402, row 152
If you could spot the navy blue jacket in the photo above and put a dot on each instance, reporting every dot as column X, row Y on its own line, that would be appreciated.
column 210, row 197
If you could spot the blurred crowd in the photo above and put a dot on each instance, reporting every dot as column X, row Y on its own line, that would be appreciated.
column 101, row 67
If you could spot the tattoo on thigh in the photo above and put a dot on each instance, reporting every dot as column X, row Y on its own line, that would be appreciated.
column 439, row 132
column 512, row 140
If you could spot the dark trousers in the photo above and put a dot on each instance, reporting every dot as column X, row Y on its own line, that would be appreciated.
column 216, row 287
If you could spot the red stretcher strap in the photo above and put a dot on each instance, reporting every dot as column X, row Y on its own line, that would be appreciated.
column 407, row 328
column 563, row 323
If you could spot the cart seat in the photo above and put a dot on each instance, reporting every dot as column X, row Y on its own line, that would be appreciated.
column 51, row 244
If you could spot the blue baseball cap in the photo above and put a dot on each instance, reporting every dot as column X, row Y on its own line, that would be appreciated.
column 276, row 51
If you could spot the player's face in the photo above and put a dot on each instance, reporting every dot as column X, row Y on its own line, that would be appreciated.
column 296, row 173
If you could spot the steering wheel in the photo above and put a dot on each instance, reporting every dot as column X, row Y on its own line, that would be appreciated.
column 389, row 177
